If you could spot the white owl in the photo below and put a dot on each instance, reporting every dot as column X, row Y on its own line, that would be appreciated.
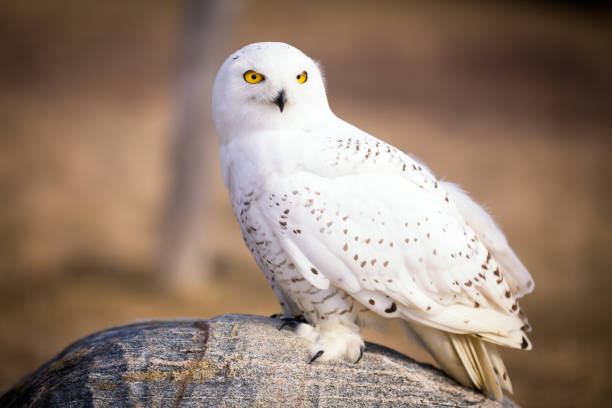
column 347, row 227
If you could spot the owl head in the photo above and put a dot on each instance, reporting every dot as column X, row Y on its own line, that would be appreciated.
column 267, row 86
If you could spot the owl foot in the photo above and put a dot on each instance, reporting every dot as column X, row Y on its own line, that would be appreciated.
column 333, row 342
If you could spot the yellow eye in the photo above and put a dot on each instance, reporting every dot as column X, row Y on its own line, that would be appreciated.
column 253, row 77
column 301, row 78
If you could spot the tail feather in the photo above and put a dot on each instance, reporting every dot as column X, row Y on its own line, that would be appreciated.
column 468, row 359
column 438, row 344
column 473, row 353
column 499, row 367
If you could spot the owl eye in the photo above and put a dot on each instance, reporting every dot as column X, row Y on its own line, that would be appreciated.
column 253, row 77
column 301, row 78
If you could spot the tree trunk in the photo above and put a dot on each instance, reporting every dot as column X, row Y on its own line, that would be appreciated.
column 183, row 260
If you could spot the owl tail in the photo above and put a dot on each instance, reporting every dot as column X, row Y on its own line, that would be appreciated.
column 469, row 360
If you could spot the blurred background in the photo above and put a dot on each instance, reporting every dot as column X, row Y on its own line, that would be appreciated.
column 112, row 207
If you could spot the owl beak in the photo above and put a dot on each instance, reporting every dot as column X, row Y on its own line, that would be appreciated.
column 280, row 100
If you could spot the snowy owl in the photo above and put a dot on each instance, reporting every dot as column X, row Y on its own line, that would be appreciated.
column 348, row 229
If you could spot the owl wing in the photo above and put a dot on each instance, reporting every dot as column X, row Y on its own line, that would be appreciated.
column 397, row 247
column 519, row 279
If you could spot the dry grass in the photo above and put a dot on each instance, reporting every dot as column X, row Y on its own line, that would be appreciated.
column 512, row 103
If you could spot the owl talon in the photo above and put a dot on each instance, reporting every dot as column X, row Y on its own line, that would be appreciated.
column 288, row 320
column 317, row 355
column 360, row 354
column 290, row 323
column 280, row 316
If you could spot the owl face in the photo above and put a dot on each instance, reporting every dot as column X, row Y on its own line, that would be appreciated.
column 267, row 83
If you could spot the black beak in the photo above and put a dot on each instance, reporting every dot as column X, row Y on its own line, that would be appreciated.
column 280, row 100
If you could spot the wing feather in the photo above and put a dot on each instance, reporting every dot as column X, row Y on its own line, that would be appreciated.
column 519, row 278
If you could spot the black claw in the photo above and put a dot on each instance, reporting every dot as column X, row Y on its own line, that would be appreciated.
column 300, row 319
column 288, row 320
column 317, row 355
column 281, row 316
column 290, row 323
column 360, row 354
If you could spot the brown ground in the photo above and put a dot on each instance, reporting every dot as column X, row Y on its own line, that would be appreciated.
column 514, row 103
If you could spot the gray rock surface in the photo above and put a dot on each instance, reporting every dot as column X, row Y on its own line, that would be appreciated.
column 228, row 361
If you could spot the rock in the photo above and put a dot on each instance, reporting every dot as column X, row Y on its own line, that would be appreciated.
column 228, row 361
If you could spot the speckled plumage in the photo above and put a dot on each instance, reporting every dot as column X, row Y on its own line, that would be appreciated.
column 348, row 228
